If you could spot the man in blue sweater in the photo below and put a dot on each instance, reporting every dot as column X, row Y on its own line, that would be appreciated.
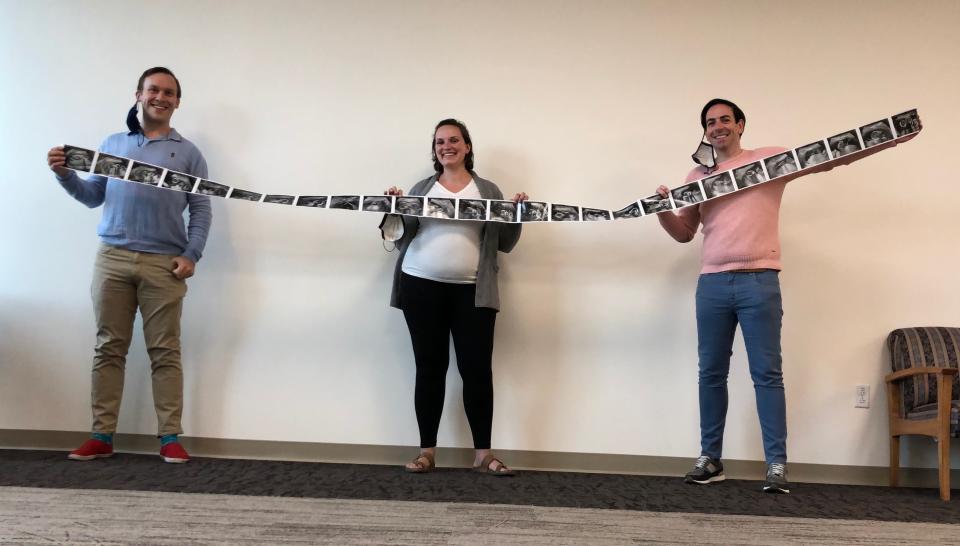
column 145, row 256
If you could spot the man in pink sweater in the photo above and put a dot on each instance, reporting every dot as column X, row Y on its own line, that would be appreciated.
column 738, row 284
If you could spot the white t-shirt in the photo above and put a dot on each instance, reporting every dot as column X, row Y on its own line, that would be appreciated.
column 446, row 250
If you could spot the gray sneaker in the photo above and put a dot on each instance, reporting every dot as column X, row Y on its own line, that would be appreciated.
column 776, row 481
column 705, row 470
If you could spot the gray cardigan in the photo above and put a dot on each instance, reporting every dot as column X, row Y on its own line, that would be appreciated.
column 496, row 236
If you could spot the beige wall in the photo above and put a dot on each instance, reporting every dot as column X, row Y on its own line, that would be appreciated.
column 287, row 331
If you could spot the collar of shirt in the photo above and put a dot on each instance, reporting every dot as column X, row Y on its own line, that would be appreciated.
column 172, row 135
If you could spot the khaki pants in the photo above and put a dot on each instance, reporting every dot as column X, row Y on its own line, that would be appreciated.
column 124, row 280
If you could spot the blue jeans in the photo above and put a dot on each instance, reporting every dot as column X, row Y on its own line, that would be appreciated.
column 751, row 299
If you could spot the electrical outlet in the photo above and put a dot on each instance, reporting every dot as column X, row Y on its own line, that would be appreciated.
column 862, row 396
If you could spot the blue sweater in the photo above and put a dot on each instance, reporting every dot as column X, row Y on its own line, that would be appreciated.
column 144, row 218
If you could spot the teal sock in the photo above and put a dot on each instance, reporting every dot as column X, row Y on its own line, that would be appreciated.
column 167, row 439
column 107, row 438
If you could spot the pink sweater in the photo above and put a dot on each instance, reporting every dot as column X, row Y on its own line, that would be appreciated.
column 740, row 231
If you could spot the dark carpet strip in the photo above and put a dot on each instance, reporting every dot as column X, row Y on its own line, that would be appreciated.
column 551, row 489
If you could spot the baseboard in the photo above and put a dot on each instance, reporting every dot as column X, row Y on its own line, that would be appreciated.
column 530, row 460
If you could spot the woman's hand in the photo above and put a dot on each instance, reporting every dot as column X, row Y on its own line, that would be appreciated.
column 522, row 196
column 393, row 190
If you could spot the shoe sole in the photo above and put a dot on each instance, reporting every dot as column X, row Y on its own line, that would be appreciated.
column 776, row 490
column 713, row 479
column 173, row 460
column 73, row 457
column 481, row 470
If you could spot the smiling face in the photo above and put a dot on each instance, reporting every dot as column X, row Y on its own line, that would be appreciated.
column 722, row 130
column 450, row 147
column 158, row 99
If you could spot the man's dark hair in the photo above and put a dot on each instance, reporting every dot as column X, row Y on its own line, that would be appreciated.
column 468, row 161
column 157, row 70
column 738, row 114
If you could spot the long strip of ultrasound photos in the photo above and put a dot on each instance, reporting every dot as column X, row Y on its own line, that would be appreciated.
column 819, row 153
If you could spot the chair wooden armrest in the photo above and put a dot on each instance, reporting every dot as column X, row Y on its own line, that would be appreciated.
column 909, row 372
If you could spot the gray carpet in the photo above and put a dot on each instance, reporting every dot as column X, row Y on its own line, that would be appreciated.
column 127, row 472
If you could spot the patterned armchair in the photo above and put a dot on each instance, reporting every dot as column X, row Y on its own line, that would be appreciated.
column 923, row 392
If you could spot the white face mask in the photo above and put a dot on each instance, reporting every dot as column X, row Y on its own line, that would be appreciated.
column 391, row 228
column 705, row 155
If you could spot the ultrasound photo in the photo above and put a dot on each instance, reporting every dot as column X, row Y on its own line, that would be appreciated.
column 749, row 175
column 594, row 215
column 875, row 133
column 630, row 211
column 844, row 144
column 206, row 187
column 245, row 195
column 564, row 213
column 654, row 204
column 145, row 174
column 113, row 166
column 279, row 199
column 441, row 207
column 533, row 211
column 316, row 201
column 812, row 154
column 780, row 165
column 79, row 159
column 412, row 206
column 503, row 211
column 377, row 203
column 719, row 184
column 179, row 181
column 906, row 123
column 687, row 195
column 472, row 209
column 347, row 202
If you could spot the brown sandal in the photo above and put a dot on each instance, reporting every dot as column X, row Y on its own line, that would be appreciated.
column 499, row 470
column 422, row 468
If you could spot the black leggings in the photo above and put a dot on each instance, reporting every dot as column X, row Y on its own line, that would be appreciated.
column 435, row 310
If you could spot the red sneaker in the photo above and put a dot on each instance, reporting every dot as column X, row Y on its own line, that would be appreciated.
column 174, row 453
column 91, row 449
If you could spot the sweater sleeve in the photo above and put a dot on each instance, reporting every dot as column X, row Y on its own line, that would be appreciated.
column 509, row 235
column 681, row 225
column 201, row 215
column 90, row 192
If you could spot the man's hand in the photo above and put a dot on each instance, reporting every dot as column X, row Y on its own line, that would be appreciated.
column 56, row 160
column 663, row 191
column 522, row 196
column 183, row 267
